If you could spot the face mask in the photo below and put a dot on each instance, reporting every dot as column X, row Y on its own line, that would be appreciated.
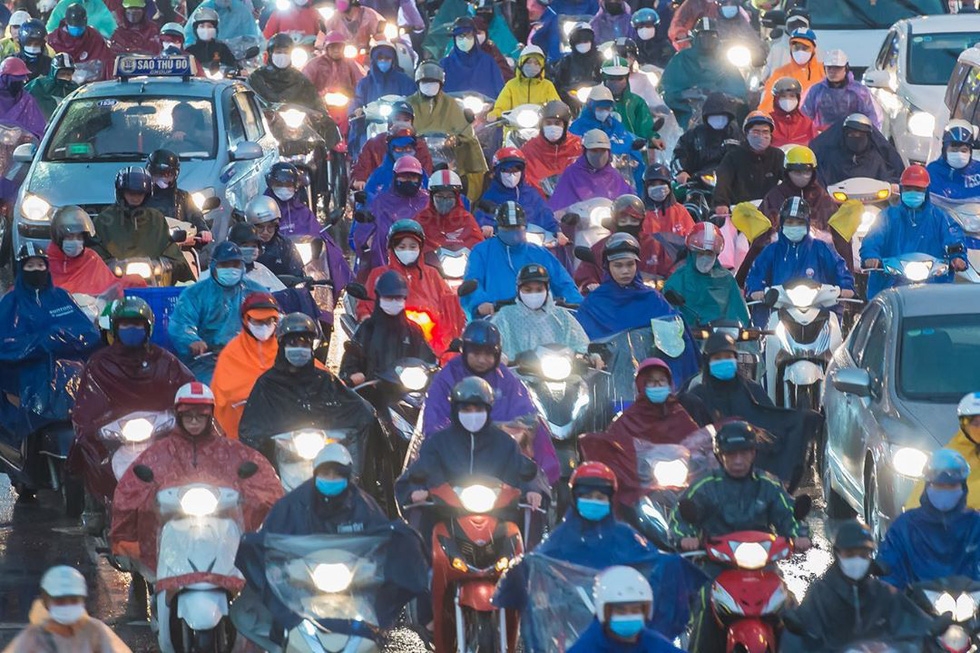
column 281, row 60
column 704, row 262
column 616, row 86
column 552, row 133
column 801, row 179
column 728, row 11
column 602, row 114
column 429, row 89
column 407, row 188
column 944, row 500
column 511, row 237
column 134, row 17
column 658, row 193
column 298, row 356
column 72, row 248
column 228, row 276
column 788, row 104
column 406, row 256
column 631, row 229
column 614, row 8
column 657, row 395
column 531, row 69
column 801, row 57
column 592, row 509
column 718, row 122
column 262, row 332
column 856, row 143
column 473, row 422
column 854, row 568
column 250, row 254
column 913, row 198
column 533, row 300
column 465, row 43
column 161, row 183
column 646, row 33
column 583, row 48
column 67, row 615
column 442, row 205
column 75, row 30
column 32, row 50
column 958, row 160
column 391, row 306
column 597, row 160
column 481, row 37
column 330, row 487
column 796, row 233
column 131, row 336
column 724, row 369
column 758, row 143
column 170, row 48
column 626, row 626
column 36, row 279
column 384, row 65
column 510, row 179
column 207, row 33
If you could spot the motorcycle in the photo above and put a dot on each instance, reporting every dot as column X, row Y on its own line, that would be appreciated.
column 956, row 597
column 967, row 214
column 521, row 124
column 295, row 451
column 873, row 194
column 452, row 264
column 303, row 135
column 914, row 268
column 316, row 269
column 375, row 115
column 589, row 219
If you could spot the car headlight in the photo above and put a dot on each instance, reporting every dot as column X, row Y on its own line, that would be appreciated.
column 556, row 368
column 137, row 430
column 309, row 443
column 740, row 56
column 140, row 269
column 526, row 119
column 336, row 99
column 198, row 502
column 35, row 208
column 917, row 270
column 802, row 296
column 413, row 378
column 909, row 462
column 474, row 104
column 751, row 555
column 298, row 57
column 454, row 267
column 332, row 578
column 670, row 473
column 305, row 251
column 477, row 498
column 921, row 123
column 293, row 118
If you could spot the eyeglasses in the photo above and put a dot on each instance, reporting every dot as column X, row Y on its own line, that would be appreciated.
column 195, row 416
column 267, row 227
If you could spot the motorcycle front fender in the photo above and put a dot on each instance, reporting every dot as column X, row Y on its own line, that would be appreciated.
column 202, row 609
column 802, row 373
column 751, row 636
column 56, row 440
column 476, row 594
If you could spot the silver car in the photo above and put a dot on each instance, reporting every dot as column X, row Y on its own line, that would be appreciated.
column 891, row 401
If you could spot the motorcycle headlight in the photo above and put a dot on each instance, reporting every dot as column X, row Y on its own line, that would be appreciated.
column 293, row 117
column 802, row 296
column 298, row 57
column 140, row 269
column 868, row 219
column 556, row 368
column 198, row 502
column 961, row 607
column 201, row 196
column 308, row 444
column 477, row 498
column 917, row 270
column 454, row 267
column 305, row 251
column 336, row 99
column 956, row 638
column 598, row 214
column 384, row 110
column 474, row 104
column 740, row 56
column 391, row 32
column 413, row 378
column 567, row 27
column 670, row 473
column 350, row 51
column 137, row 430
column 283, row 5
column 582, row 93
column 909, row 462
column 526, row 119
column 326, row 13
column 535, row 237
column 751, row 555
column 332, row 578
column 922, row 124
column 35, row 208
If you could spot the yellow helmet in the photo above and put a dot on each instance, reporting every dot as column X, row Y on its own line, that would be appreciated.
column 800, row 158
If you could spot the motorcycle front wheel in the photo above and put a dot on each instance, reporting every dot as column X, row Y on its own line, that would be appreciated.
column 481, row 633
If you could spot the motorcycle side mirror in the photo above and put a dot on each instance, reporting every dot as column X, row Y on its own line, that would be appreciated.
column 955, row 250
column 772, row 296
column 802, row 506
column 469, row 115
column 674, row 298
column 360, row 197
column 211, row 204
column 455, row 346
column 143, row 473
column 794, row 623
column 357, row 291
column 608, row 223
column 774, row 18
column 639, row 144
column 584, row 254
column 418, row 477
column 571, row 219
column 252, row 52
column 468, row 287
column 941, row 623
column 247, row 470
column 658, row 123
column 178, row 236
column 689, row 511
column 486, row 206
column 880, row 568
column 528, row 470
column 596, row 348
column 364, row 217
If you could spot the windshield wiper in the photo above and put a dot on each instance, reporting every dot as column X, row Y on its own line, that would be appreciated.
column 120, row 155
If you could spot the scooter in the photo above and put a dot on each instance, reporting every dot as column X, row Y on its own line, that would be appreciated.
column 521, row 124
column 452, row 264
column 957, row 598
column 873, row 194
column 295, row 451
column 39, row 463
column 967, row 214
column 303, row 135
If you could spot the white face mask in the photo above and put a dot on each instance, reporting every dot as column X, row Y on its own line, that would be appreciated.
column 429, row 89
column 206, row 33
column 854, row 568
column 718, row 122
column 473, row 422
column 510, row 179
column 160, row 182
column 262, row 332
column 481, row 37
column 646, row 33
column 583, row 48
column 788, row 104
column 392, row 306
column 281, row 60
column 72, row 248
column 407, row 256
column 704, row 262
column 533, row 300
column 801, row 57
column 32, row 49
column 67, row 615
column 283, row 193
column 958, row 160
column 602, row 114
column 552, row 132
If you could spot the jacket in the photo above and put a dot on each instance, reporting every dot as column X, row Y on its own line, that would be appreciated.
column 522, row 329
column 695, row 68
column 89, row 49
column 281, row 257
column 574, row 70
column 304, row 511
column 522, row 90
column 635, row 114
column 653, row 261
column 442, row 114
column 880, row 161
column 376, row 149
column 380, row 341
column 745, row 175
column 708, row 297
column 545, row 159
column 175, row 203
column 702, row 148
column 99, row 17
column 595, row 640
column 241, row 362
column 123, row 232
column 526, row 195
column 950, row 183
column 472, row 71
column 792, row 128
column 807, row 75
column 827, row 105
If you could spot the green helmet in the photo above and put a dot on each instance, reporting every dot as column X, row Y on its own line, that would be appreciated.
column 405, row 227
column 133, row 308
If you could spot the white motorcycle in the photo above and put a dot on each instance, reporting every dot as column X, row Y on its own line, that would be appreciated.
column 296, row 450
column 873, row 193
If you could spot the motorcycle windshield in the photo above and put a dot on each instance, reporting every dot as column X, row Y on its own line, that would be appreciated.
column 559, row 603
column 626, row 350
column 200, row 527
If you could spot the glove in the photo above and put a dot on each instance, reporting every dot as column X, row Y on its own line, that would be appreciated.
column 750, row 220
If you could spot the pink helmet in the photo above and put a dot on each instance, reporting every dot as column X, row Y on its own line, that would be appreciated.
column 408, row 164
column 335, row 36
column 15, row 67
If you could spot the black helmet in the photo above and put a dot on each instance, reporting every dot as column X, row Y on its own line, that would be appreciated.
column 31, row 250
column 242, row 233
column 62, row 61
column 473, row 391
column 852, row 534
column 31, row 30
column 556, row 109
column 736, row 436
column 391, row 284
column 794, row 207
column 533, row 272
column 657, row 172
column 718, row 342
column 70, row 220
column 283, row 174
column 163, row 161
column 510, row 214
column 279, row 40
column 76, row 16
column 626, row 47
column 132, row 308
column 133, row 179
column 481, row 334
column 580, row 33
column 401, row 106
column 621, row 245
column 298, row 324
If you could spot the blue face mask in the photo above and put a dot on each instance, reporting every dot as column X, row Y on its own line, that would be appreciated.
column 913, row 198
column 944, row 500
column 592, row 509
column 330, row 487
column 131, row 336
column 626, row 626
column 384, row 65
column 511, row 237
column 657, row 395
column 228, row 276
column 723, row 370
column 75, row 31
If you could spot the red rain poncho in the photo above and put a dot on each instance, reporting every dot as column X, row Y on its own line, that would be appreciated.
column 87, row 273
column 455, row 230
column 546, row 159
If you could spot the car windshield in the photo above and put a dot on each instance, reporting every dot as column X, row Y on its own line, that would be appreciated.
column 939, row 357
column 868, row 14
column 127, row 129
column 932, row 57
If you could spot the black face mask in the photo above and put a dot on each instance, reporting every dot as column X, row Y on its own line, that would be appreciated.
column 16, row 87
column 707, row 42
column 856, row 142
column 407, row 188
column 631, row 229
column 614, row 8
column 35, row 279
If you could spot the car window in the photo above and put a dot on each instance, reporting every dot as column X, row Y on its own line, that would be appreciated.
column 873, row 355
column 888, row 55
column 855, row 343
column 236, row 125
column 939, row 357
column 257, row 112
column 932, row 57
column 969, row 92
column 249, row 117
column 864, row 14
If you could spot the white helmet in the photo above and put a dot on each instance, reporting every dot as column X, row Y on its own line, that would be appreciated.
column 601, row 93
column 969, row 405
column 261, row 209
column 835, row 58
column 63, row 581
column 621, row 585
column 596, row 139
column 194, row 393
column 334, row 453
column 445, row 179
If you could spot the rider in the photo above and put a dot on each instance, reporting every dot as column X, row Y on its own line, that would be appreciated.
column 632, row 109
column 401, row 141
column 207, row 49
column 206, row 317
column 664, row 214
column 797, row 18
column 137, row 34
column 926, row 543
column 967, row 443
column 244, row 359
column 32, row 39
column 332, row 71
column 653, row 46
column 612, row 21
column 805, row 68
column 545, row 33
column 529, row 86
column 599, row 113
column 592, row 175
column 446, row 221
column 75, row 267
column 383, row 78
column 278, row 81
column 553, row 149
column 468, row 68
column 129, row 228
column 168, row 198
column 914, row 226
column 792, row 126
column 955, row 175
column 359, row 25
column 377, row 148
column 49, row 91
column 283, row 184
column 580, row 67
column 296, row 17
column 853, row 147
column 279, row 254
column 17, row 105
column 494, row 264
column 709, row 291
column 509, row 185
column 838, row 95
column 702, row 147
column 86, row 46
column 102, row 20
column 752, row 169
column 234, row 20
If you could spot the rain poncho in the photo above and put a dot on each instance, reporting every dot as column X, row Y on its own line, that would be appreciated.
column 522, row 90
column 242, row 361
column 90, row 49
column 380, row 341
column 950, row 183
column 210, row 53
column 87, row 636
column 297, row 218
column 528, row 197
column 371, row 239
column 667, row 217
column 515, row 404
column 305, row 511
column 807, row 75
column 374, row 85
column 827, row 105
column 99, row 18
column 117, row 381
column 546, row 34
column 653, row 261
column 609, row 28
column 178, row 459
column 281, row 257
column 357, row 32
column 684, row 19
column 494, row 267
column 326, row 74
column 695, row 68
column 575, row 70
column 235, row 20
column 792, row 128
column 294, row 20
column 575, row 7
column 596, row 640
column 611, row 308
column 383, row 174
column 836, row 163
column 375, row 153
column 87, row 273
column 21, row 108
column 784, row 261
column 581, row 182
column 124, row 232
column 49, row 91
column 442, row 114
column 522, row 329
column 456, row 229
column 546, row 159
column 707, row 297
column 285, row 85
column 140, row 38
column 472, row 71
column 620, row 137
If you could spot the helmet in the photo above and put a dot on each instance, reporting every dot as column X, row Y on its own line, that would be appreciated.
column 915, row 176
column 947, row 466
column 32, row 30
column 600, row 93
column 852, row 534
column 480, row 333
column 70, row 220
column 76, row 15
column 658, row 172
column 462, row 25
column 509, row 155
column 625, row 47
column 63, row 581
column 645, row 16
column 430, row 71
column 718, row 342
column 804, row 35
column 787, row 85
column 297, row 324
column 835, row 58
column 30, row 250
column 630, row 206
column 241, row 233
column 133, row 308
column 736, row 436
column 530, row 51
column 858, row 122
column 510, row 214
column 472, row 390
column 283, row 174
column 969, row 405
column 337, row 454
column 161, row 161
column 621, row 246
column 134, row 4
column 261, row 209
column 62, row 61
column 280, row 41
column 17, row 19
column 194, row 393
column 408, row 164
column 557, row 109
column 801, row 157
column 405, row 227
column 401, row 106
column 14, row 67
column 615, row 67
column 796, row 208
column 204, row 15
column 172, row 29
column 757, row 118
column 705, row 237
column 596, row 139
column 594, row 476
column 620, row 584
column 391, row 284
column 254, row 300
column 445, row 180
column 581, row 32
column 958, row 132
column 533, row 272
column 133, row 179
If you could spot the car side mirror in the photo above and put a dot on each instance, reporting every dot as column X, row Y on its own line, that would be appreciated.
column 877, row 79
column 357, row 291
column 210, row 204
column 247, row 470
column 853, row 380
column 143, row 473
column 24, row 153
column 246, row 151
column 468, row 287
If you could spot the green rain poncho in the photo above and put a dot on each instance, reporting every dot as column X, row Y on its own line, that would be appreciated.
column 707, row 297
column 442, row 114
column 49, row 91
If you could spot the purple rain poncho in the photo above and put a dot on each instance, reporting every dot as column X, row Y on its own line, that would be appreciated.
column 580, row 182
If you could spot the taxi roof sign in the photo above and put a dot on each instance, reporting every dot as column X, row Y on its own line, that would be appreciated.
column 141, row 66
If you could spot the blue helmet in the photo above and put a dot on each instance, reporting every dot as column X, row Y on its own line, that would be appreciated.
column 391, row 284
column 227, row 251
column 948, row 467
column 957, row 133
column 481, row 334
column 645, row 16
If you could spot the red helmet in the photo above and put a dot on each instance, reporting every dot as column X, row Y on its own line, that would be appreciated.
column 259, row 301
column 408, row 164
column 509, row 155
column 915, row 176
column 705, row 237
column 194, row 393
column 595, row 475
column 15, row 67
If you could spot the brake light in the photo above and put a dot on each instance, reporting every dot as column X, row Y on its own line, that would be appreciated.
column 424, row 322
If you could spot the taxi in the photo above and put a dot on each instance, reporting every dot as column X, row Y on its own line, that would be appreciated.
column 216, row 127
